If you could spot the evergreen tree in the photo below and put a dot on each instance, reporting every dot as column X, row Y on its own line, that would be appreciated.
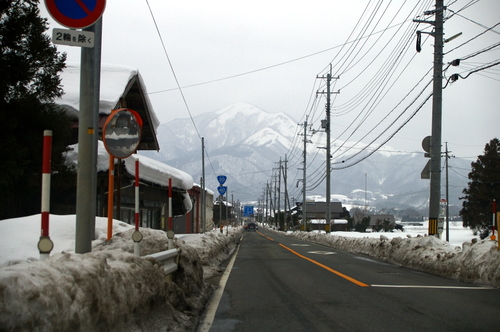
column 484, row 186
column 29, row 84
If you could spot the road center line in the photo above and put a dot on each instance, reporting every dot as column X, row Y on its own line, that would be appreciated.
column 267, row 237
column 359, row 283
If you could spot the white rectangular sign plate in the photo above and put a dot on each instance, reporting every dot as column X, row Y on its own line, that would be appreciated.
column 73, row 37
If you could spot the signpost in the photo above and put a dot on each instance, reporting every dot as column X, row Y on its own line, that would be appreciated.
column 77, row 14
column 222, row 190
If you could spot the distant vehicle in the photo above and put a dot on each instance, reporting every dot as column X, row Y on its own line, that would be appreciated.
column 251, row 226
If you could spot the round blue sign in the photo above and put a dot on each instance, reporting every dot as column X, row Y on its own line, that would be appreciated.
column 75, row 14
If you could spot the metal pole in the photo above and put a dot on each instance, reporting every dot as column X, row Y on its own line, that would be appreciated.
column 279, row 197
column 203, row 193
column 46, row 170
column 227, row 219
column 136, row 185
column 285, row 194
column 45, row 244
column 87, row 142
column 221, row 226
column 437, row 99
column 111, row 192
column 170, row 214
column 447, row 199
column 328, row 153
column 137, row 244
column 267, row 203
column 304, row 209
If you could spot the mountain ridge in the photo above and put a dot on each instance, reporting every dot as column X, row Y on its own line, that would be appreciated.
column 246, row 143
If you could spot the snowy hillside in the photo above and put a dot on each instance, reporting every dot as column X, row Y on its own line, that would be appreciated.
column 245, row 143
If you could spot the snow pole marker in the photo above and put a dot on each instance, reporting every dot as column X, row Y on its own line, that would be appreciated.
column 170, row 233
column 111, row 190
column 137, row 235
column 45, row 244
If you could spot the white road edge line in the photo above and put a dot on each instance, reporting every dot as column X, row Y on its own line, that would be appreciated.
column 208, row 319
column 433, row 287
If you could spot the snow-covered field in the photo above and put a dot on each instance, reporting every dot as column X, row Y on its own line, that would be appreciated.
column 111, row 289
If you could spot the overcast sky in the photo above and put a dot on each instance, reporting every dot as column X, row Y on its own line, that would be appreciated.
column 269, row 54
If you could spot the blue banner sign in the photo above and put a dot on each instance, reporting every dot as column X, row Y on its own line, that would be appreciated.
column 222, row 190
column 248, row 211
column 222, row 179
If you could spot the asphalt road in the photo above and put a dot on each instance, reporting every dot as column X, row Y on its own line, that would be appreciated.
column 278, row 283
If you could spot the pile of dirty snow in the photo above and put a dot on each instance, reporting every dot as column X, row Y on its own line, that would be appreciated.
column 474, row 262
column 109, row 288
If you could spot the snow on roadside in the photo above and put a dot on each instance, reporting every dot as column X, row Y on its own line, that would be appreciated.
column 475, row 262
column 109, row 288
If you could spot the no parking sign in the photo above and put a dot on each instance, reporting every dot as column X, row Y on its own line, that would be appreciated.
column 75, row 14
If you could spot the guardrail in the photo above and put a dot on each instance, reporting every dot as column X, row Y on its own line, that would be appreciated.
column 168, row 259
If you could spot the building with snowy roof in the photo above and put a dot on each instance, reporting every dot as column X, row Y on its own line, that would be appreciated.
column 123, row 87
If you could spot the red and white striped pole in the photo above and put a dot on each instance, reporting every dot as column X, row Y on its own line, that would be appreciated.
column 170, row 220
column 45, row 245
column 494, row 223
column 111, row 192
column 137, row 195
column 137, row 235
column 170, row 232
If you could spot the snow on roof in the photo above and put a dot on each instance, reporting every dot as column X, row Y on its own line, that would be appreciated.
column 332, row 221
column 208, row 191
column 114, row 80
column 158, row 172
column 149, row 169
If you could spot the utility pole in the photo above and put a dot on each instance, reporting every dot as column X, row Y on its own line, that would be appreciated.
column 267, row 203
column 304, row 209
column 286, row 194
column 447, row 156
column 274, row 202
column 437, row 100
column 280, row 222
column 328, row 148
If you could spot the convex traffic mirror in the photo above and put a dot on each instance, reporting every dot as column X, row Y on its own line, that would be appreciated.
column 122, row 132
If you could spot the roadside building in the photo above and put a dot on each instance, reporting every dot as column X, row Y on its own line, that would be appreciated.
column 123, row 87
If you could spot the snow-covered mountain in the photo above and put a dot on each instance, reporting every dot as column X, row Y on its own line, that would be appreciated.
column 245, row 143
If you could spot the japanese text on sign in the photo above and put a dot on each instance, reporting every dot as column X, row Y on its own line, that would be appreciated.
column 73, row 37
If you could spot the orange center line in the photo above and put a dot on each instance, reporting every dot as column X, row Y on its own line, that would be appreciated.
column 357, row 282
column 267, row 237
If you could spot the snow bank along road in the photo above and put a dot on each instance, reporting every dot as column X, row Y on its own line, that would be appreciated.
column 111, row 289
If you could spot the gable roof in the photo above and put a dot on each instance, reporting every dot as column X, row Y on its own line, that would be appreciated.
column 120, row 86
